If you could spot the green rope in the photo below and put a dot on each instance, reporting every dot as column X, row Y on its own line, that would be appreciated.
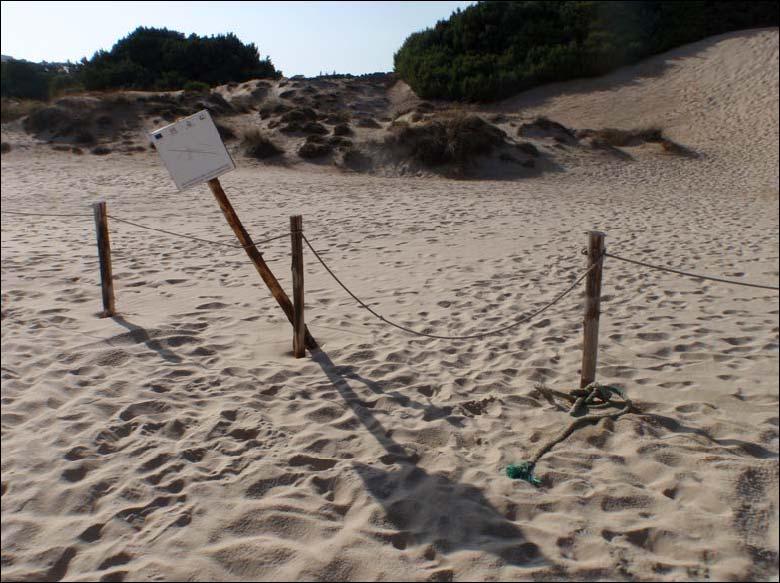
column 523, row 471
column 594, row 396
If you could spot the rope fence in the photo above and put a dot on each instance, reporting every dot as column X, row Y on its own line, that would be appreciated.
column 158, row 230
column 689, row 274
column 590, row 395
column 521, row 320
column 5, row 212
column 477, row 335
column 218, row 243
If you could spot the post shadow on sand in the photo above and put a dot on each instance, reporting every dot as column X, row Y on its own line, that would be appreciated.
column 139, row 334
column 430, row 411
column 429, row 508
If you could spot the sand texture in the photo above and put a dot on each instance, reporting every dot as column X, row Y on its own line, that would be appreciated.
column 182, row 441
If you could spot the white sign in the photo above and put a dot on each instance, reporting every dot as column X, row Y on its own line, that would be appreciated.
column 192, row 150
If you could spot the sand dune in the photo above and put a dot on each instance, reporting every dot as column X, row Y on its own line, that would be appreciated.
column 181, row 440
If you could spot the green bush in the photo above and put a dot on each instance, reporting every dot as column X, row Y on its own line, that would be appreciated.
column 196, row 87
column 162, row 59
column 40, row 81
column 494, row 49
column 24, row 80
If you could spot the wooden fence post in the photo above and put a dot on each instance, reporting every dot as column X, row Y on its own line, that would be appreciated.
column 104, row 254
column 299, row 325
column 257, row 258
column 590, row 344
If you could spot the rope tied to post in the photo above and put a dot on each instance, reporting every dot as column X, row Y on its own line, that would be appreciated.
column 593, row 396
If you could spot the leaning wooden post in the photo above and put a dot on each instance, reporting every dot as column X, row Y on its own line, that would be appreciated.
column 104, row 254
column 299, row 326
column 590, row 344
column 256, row 257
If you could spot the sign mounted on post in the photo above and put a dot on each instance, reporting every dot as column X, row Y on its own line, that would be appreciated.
column 192, row 150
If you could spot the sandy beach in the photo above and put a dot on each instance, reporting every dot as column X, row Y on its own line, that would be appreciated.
column 181, row 440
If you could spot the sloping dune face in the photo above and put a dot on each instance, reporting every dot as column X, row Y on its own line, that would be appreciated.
column 182, row 441
column 718, row 96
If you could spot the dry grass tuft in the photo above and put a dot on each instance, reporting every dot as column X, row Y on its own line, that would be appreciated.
column 13, row 109
column 456, row 139
column 622, row 138
column 256, row 144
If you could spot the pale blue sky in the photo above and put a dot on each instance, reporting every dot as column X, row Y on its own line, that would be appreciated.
column 300, row 37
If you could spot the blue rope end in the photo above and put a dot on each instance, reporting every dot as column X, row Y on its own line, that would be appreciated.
column 523, row 471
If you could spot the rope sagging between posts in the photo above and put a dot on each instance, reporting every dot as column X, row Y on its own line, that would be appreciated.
column 156, row 229
column 44, row 214
column 254, row 244
column 521, row 320
column 689, row 274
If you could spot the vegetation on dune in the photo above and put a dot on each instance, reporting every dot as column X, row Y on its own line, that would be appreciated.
column 158, row 58
column 37, row 81
column 147, row 58
column 256, row 144
column 458, row 139
column 494, row 49
column 13, row 109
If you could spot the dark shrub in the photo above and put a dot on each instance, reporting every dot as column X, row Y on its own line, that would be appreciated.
column 242, row 104
column 504, row 157
column 46, row 119
column 493, row 49
column 13, row 109
column 542, row 126
column 100, row 151
column 336, row 118
column 340, row 142
column 196, row 87
column 314, row 127
column 83, row 137
column 24, row 80
column 301, row 115
column 354, row 159
column 291, row 128
column 256, row 144
column 342, row 129
column 528, row 148
column 153, row 58
column 458, row 139
column 5, row 147
column 367, row 122
column 622, row 138
column 313, row 150
column 225, row 132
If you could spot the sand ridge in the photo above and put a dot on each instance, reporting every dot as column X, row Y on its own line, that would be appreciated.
column 182, row 440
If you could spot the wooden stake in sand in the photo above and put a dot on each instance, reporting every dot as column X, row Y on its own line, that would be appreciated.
column 104, row 254
column 590, row 344
column 193, row 152
column 256, row 257
column 299, row 326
